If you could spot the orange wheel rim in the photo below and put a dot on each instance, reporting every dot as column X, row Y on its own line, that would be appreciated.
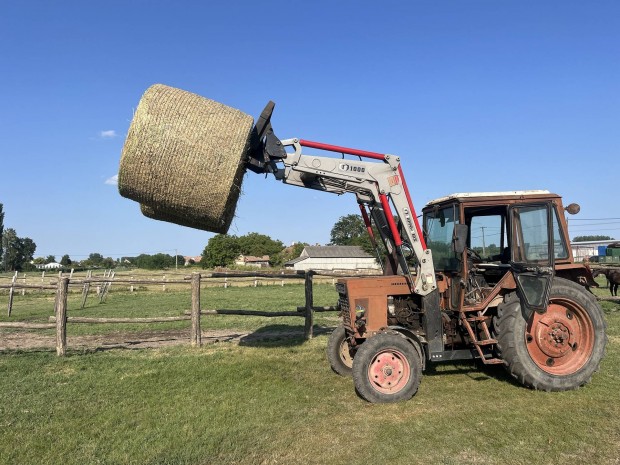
column 389, row 371
column 345, row 354
column 561, row 340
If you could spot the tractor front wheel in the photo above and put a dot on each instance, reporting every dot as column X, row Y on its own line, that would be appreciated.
column 387, row 368
column 556, row 350
column 338, row 352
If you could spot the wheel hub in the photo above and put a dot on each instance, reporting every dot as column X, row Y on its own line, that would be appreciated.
column 389, row 371
column 560, row 340
column 553, row 336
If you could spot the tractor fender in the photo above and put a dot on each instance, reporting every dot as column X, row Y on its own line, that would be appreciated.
column 412, row 338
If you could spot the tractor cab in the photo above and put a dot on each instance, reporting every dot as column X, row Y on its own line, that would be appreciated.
column 483, row 242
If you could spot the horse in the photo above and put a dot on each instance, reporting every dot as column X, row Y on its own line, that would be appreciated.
column 613, row 279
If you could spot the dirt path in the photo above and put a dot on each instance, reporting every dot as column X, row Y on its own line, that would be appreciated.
column 27, row 340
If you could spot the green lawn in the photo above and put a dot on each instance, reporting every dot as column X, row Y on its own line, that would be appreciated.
column 277, row 401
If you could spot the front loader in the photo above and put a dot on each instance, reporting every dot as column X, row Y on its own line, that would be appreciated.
column 523, row 303
column 443, row 296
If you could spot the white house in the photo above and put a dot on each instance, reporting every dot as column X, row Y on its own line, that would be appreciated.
column 336, row 257
column 49, row 266
column 249, row 260
column 588, row 249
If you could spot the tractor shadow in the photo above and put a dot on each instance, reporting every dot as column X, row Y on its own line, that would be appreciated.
column 473, row 369
column 280, row 336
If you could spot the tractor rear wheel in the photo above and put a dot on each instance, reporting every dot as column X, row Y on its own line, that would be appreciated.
column 559, row 349
column 338, row 352
column 387, row 368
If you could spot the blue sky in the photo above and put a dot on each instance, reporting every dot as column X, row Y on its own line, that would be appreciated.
column 472, row 95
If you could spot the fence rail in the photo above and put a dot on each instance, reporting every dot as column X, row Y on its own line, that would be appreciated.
column 60, row 319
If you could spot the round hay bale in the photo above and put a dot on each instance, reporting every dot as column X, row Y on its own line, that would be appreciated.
column 183, row 158
column 188, row 219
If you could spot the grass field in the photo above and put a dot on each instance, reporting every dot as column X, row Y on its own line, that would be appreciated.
column 276, row 401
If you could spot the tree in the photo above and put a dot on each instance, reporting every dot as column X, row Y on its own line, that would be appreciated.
column 1, row 229
column 221, row 250
column 65, row 260
column 50, row 259
column 347, row 230
column 108, row 262
column 592, row 238
column 158, row 261
column 351, row 230
column 258, row 245
column 143, row 261
column 28, row 249
column 18, row 251
column 95, row 258
column 11, row 249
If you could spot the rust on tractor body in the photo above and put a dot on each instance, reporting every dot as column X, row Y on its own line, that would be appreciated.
column 367, row 302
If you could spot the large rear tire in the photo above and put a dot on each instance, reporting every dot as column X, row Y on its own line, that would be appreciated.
column 338, row 353
column 387, row 368
column 559, row 349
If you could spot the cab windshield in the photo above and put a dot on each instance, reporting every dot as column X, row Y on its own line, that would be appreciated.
column 439, row 231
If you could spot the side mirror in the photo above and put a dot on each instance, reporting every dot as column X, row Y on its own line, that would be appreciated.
column 573, row 208
column 461, row 232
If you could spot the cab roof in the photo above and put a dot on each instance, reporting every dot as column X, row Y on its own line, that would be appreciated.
column 462, row 196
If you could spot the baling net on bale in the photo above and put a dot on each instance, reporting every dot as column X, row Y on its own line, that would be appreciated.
column 183, row 159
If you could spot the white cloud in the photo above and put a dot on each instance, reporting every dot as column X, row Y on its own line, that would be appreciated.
column 109, row 134
column 113, row 181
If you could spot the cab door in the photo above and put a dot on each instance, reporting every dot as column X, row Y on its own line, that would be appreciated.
column 532, row 253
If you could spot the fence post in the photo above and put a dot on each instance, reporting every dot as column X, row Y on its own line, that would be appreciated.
column 61, row 317
column 11, row 292
column 86, row 287
column 196, row 334
column 106, row 286
column 309, row 304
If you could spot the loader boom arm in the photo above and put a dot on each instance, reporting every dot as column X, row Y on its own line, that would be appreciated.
column 378, row 185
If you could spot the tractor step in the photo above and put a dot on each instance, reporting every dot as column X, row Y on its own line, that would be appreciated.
column 492, row 361
column 485, row 342
column 478, row 318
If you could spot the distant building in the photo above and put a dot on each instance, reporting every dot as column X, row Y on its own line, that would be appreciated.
column 249, row 260
column 590, row 249
column 333, row 258
column 192, row 260
column 49, row 266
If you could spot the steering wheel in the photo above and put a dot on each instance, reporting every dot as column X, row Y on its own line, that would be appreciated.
column 473, row 255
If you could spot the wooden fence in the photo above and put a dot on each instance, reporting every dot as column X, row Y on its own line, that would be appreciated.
column 60, row 319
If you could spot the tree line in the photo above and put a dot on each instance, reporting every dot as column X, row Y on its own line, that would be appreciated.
column 223, row 249
column 17, row 254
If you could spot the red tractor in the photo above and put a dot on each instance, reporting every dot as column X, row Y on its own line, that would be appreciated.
column 521, row 301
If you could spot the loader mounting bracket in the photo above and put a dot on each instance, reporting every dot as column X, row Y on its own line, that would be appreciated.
column 266, row 147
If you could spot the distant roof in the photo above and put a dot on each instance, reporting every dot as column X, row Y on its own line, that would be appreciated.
column 613, row 243
column 336, row 251
column 251, row 258
column 295, row 260
column 466, row 195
